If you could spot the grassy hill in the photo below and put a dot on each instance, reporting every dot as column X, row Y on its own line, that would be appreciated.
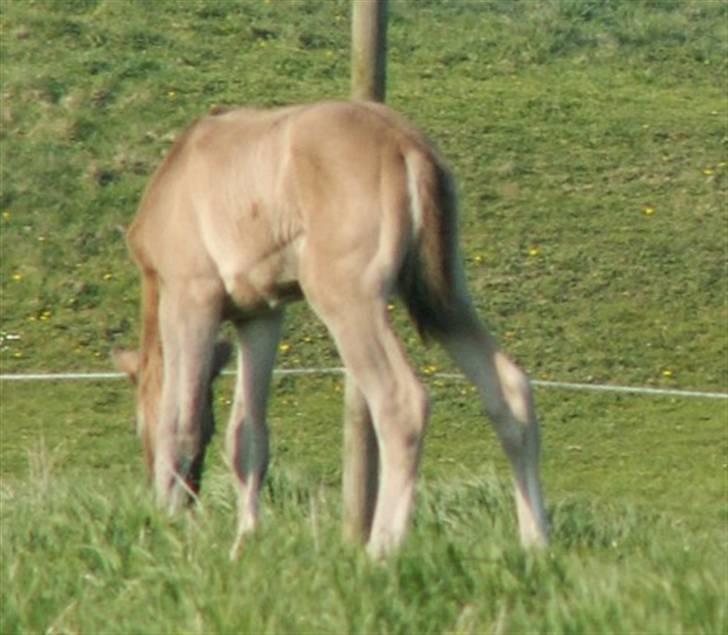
column 590, row 141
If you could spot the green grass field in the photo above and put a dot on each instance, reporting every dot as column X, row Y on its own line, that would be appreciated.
column 590, row 141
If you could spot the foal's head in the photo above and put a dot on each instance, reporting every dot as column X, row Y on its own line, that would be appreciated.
column 145, row 372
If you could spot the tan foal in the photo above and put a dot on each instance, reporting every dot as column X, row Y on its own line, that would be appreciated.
column 344, row 204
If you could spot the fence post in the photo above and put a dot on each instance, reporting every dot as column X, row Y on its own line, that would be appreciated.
column 369, row 49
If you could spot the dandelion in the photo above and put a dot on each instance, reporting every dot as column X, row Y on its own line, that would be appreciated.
column 390, row 307
column 667, row 373
column 284, row 347
column 172, row 94
column 648, row 210
column 478, row 259
column 6, row 215
column 17, row 276
column 533, row 252
column 45, row 316
column 430, row 369
column 708, row 171
column 108, row 276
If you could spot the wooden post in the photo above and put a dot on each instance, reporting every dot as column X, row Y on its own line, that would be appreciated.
column 369, row 49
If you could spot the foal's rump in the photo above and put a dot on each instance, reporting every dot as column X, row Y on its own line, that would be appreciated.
column 367, row 182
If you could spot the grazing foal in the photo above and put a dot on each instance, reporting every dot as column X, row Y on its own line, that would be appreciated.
column 343, row 204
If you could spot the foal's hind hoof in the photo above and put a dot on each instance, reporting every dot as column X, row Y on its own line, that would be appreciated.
column 236, row 550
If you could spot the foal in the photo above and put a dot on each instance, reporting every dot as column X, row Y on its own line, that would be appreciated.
column 343, row 204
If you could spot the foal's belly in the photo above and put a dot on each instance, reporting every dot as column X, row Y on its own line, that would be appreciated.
column 264, row 283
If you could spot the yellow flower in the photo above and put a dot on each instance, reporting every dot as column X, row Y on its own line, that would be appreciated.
column 534, row 251
column 284, row 347
column 667, row 373
column 708, row 171
column 108, row 276
column 17, row 276
column 6, row 215
column 648, row 210
column 430, row 369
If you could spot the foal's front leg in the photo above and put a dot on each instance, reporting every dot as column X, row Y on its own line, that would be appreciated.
column 189, row 320
column 247, row 436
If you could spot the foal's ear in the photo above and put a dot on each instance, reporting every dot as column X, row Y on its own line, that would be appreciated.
column 127, row 362
column 220, row 357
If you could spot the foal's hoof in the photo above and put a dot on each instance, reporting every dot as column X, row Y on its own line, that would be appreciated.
column 382, row 549
column 238, row 546
column 237, row 549
column 535, row 541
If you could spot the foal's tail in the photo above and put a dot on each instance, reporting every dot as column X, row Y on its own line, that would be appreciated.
column 431, row 281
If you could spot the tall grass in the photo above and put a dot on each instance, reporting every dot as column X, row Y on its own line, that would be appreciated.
column 77, row 558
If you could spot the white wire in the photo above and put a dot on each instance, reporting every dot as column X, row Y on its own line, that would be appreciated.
column 566, row 385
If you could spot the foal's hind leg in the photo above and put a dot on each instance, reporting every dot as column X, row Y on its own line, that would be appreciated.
column 375, row 359
column 247, row 436
column 361, row 464
column 506, row 395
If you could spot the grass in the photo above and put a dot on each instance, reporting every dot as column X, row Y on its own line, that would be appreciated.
column 80, row 559
column 637, row 492
column 590, row 142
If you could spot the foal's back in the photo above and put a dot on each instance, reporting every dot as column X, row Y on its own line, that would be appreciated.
column 244, row 193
